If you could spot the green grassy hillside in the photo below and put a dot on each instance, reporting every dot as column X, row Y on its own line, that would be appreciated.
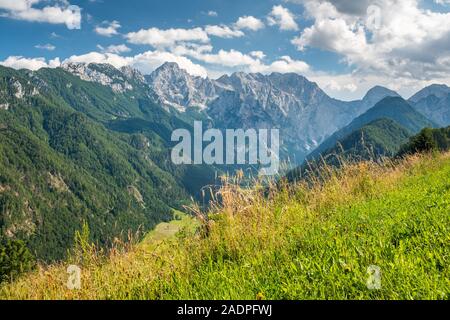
column 393, row 108
column 380, row 138
column 315, row 241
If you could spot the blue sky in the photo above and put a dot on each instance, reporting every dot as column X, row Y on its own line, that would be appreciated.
column 346, row 46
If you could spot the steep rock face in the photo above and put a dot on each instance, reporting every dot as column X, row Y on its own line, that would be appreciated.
column 15, row 87
column 177, row 89
column 289, row 102
column 119, row 80
column 305, row 115
column 132, row 74
column 434, row 103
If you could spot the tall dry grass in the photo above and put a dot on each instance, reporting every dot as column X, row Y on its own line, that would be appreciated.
column 235, row 251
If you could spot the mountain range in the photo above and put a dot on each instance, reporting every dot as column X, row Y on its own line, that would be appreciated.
column 303, row 112
column 75, row 151
column 394, row 108
column 433, row 102
column 90, row 142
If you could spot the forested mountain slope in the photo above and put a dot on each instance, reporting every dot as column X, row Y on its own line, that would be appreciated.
column 62, row 165
column 394, row 108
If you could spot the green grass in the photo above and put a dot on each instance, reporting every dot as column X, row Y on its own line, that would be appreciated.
column 167, row 230
column 303, row 242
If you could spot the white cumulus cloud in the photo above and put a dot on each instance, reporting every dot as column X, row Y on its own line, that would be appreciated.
column 249, row 22
column 161, row 38
column 283, row 18
column 223, row 32
column 115, row 48
column 236, row 60
column 19, row 62
column 388, row 41
column 150, row 60
column 98, row 57
column 108, row 29
column 61, row 12
column 284, row 64
column 119, row 48
column 258, row 54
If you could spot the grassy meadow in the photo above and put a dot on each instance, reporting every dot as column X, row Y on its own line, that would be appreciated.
column 312, row 241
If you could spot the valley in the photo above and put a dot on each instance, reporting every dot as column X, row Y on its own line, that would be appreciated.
column 218, row 159
column 89, row 143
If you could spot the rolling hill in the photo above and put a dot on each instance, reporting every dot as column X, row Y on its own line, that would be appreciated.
column 394, row 108
column 380, row 138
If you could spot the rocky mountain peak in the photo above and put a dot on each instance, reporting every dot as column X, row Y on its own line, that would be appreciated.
column 376, row 94
column 297, row 85
column 303, row 112
column 438, row 90
column 170, row 72
column 177, row 88
column 132, row 74
column 172, row 66
column 242, row 79
column 434, row 103
column 379, row 92
column 104, row 74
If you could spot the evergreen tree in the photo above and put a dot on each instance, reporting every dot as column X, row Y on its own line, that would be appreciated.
column 15, row 259
column 427, row 140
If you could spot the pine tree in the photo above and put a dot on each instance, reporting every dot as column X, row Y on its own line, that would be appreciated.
column 15, row 259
